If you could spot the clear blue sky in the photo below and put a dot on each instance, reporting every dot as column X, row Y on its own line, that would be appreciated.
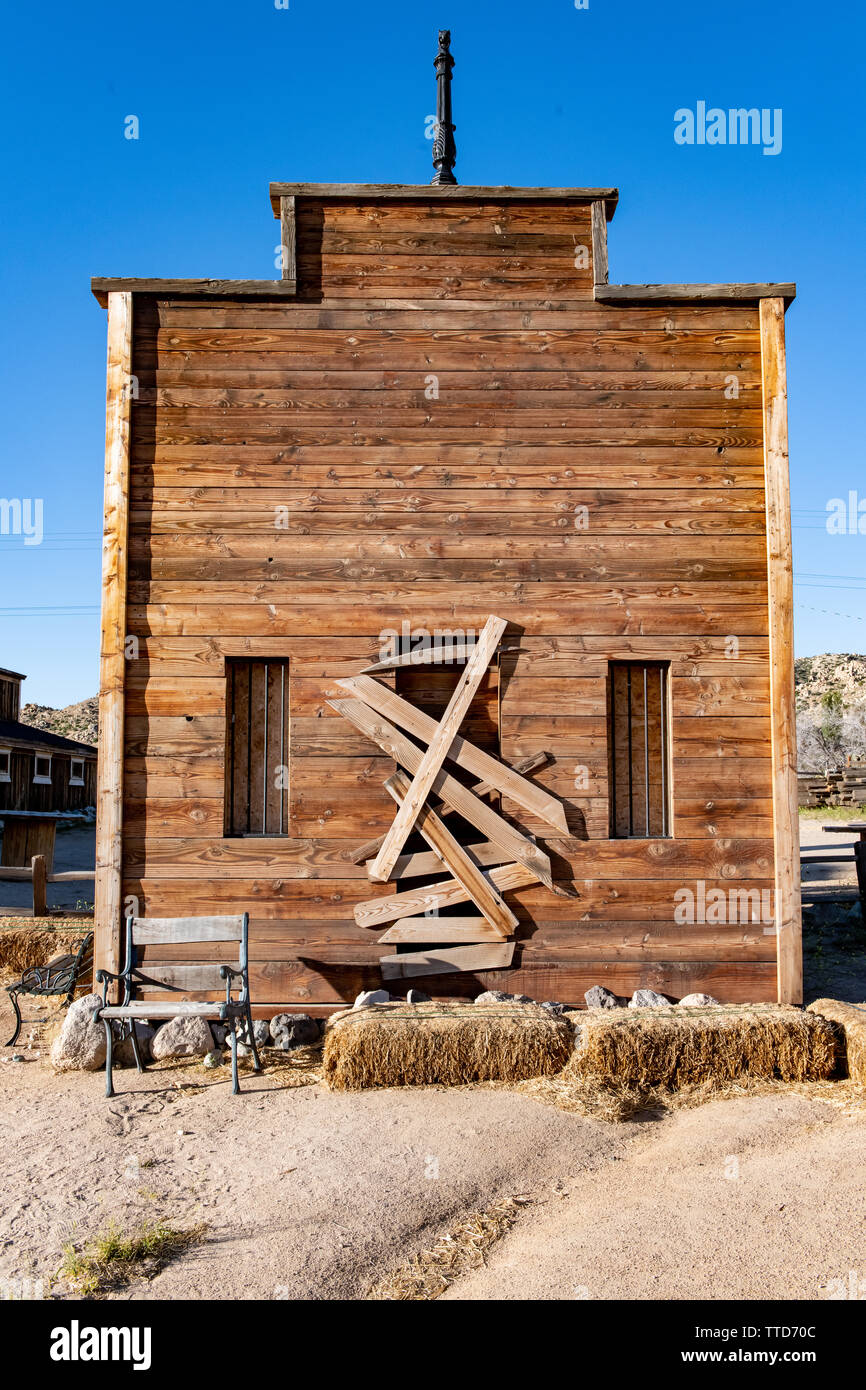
column 230, row 96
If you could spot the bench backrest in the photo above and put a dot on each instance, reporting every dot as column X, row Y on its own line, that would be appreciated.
column 182, row 931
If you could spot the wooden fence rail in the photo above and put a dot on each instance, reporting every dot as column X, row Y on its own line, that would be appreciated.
column 40, row 879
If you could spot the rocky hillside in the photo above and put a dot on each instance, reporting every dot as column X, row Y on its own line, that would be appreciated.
column 79, row 721
column 842, row 671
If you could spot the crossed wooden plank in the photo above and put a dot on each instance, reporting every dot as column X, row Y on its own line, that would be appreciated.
column 506, row 780
column 447, row 893
column 455, row 859
column 431, row 762
column 409, row 864
column 478, row 813
column 479, row 942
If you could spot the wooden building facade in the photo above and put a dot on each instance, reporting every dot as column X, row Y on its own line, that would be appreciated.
column 444, row 411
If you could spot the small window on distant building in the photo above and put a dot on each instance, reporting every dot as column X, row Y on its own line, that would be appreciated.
column 5, row 765
column 42, row 769
column 257, row 747
column 639, row 771
column 76, row 772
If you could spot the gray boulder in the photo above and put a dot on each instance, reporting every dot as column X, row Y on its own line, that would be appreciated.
column 648, row 999
column 183, row 1036
column 294, row 1030
column 213, row 1059
column 80, row 1044
column 554, row 1007
column 417, row 996
column 695, row 1001
column 371, row 996
column 600, row 998
column 497, row 996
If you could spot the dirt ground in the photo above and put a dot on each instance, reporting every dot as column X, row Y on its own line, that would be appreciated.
column 310, row 1194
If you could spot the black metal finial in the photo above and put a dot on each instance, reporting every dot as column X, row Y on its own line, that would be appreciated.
column 444, row 148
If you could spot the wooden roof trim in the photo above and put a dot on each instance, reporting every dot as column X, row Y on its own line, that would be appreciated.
column 85, row 751
column 692, row 294
column 191, row 289
column 430, row 193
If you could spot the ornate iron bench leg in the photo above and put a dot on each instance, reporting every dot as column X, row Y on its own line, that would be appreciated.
column 109, row 1082
column 13, row 995
column 257, row 1066
column 235, row 1087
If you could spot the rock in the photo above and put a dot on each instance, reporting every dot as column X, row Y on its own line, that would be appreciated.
column 80, row 1044
column 294, row 1030
column 497, row 996
column 261, row 1031
column 18, row 1057
column 417, row 996
column 244, row 1050
column 600, row 998
column 371, row 996
column 122, row 1052
column 695, row 1001
column 183, row 1036
column 213, row 1059
column 648, row 999
column 554, row 1007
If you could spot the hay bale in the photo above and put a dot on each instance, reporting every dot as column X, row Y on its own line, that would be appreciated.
column 852, row 1018
column 681, row 1046
column 443, row 1045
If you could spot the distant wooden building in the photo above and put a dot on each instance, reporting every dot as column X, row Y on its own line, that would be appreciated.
column 42, row 775
column 442, row 411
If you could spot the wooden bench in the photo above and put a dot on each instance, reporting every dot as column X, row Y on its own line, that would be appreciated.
column 60, row 975
column 147, row 979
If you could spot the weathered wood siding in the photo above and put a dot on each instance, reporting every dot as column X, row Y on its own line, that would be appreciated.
column 433, row 416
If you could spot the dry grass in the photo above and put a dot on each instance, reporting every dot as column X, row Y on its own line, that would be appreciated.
column 443, row 1045
column 614, row 1104
column 114, row 1258
column 852, row 1018
column 640, row 1049
column 427, row 1275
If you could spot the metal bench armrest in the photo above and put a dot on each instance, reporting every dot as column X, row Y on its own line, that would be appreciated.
column 108, row 977
column 231, row 973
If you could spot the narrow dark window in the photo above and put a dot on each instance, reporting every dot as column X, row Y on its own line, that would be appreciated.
column 640, row 779
column 257, row 747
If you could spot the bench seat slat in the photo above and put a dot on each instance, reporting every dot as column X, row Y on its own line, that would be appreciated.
column 213, row 1009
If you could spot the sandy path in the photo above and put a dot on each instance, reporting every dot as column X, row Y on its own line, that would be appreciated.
column 307, row 1193
column 668, row 1223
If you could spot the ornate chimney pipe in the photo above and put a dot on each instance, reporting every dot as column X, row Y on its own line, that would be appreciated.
column 444, row 148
